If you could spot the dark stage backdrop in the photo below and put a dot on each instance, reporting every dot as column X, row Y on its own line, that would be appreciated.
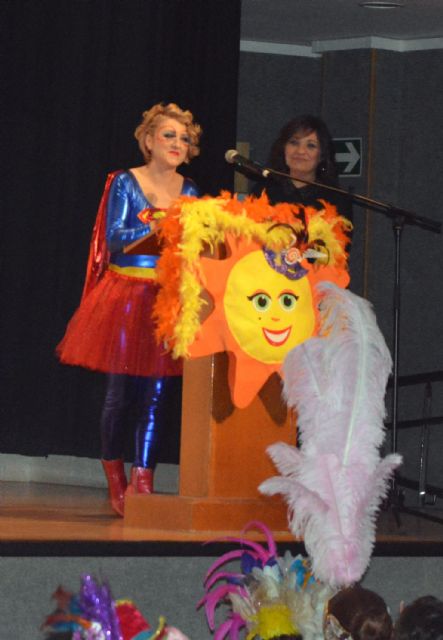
column 76, row 76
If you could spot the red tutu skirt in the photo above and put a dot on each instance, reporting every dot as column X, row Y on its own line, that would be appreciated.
column 112, row 330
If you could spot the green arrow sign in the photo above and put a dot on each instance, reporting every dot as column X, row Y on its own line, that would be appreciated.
column 348, row 156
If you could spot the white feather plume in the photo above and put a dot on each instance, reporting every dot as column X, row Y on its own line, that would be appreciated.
column 335, row 482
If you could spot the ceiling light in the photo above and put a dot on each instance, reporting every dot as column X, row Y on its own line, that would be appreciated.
column 378, row 4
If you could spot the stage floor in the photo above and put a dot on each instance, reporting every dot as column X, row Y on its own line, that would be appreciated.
column 48, row 519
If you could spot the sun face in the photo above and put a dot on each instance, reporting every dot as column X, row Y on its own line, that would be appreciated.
column 262, row 298
column 267, row 313
column 259, row 315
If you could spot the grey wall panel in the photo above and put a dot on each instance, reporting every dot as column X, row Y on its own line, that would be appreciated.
column 421, row 140
column 346, row 96
column 408, row 161
column 272, row 90
column 385, row 170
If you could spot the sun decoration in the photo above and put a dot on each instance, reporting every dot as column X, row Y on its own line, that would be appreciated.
column 263, row 292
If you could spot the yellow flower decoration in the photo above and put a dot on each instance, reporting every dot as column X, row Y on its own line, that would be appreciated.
column 272, row 620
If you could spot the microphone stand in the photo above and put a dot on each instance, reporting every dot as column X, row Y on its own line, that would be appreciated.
column 408, row 217
column 400, row 217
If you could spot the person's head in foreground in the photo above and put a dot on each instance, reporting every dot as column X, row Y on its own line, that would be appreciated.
column 420, row 620
column 357, row 614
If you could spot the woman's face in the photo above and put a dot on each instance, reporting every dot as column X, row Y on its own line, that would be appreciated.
column 169, row 143
column 302, row 154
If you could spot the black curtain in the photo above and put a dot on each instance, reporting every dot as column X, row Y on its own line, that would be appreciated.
column 76, row 75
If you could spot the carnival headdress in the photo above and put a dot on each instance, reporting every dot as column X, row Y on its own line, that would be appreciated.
column 270, row 596
column 93, row 614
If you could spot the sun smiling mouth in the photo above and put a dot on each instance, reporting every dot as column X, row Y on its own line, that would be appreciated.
column 277, row 338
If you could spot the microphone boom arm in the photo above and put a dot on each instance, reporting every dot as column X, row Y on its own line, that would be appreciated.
column 388, row 209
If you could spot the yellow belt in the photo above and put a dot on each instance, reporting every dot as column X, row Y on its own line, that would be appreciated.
column 135, row 272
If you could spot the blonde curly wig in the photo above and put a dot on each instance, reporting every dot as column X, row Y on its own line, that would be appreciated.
column 151, row 118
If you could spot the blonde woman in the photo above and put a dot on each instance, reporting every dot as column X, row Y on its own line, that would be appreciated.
column 112, row 329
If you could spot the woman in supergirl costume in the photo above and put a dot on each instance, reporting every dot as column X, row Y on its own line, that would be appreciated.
column 112, row 330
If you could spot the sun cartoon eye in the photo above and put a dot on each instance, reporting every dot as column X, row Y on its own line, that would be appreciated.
column 287, row 300
column 260, row 301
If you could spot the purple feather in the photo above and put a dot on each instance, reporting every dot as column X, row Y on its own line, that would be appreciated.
column 213, row 598
column 256, row 548
column 237, row 624
column 223, row 630
column 226, row 557
column 230, row 576
column 256, row 524
column 231, row 626
column 97, row 604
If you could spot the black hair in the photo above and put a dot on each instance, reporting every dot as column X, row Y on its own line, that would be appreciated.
column 306, row 123
column 421, row 620
column 362, row 612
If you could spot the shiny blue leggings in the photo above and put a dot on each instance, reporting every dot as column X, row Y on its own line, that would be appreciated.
column 146, row 401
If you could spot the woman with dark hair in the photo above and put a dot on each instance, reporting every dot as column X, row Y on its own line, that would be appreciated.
column 304, row 150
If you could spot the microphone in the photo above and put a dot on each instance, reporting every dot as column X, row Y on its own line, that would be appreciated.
column 233, row 157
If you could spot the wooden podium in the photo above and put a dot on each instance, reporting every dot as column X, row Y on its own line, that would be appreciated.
column 222, row 455
column 222, row 458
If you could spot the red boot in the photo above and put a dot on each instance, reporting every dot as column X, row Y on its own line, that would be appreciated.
column 142, row 481
column 117, row 483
